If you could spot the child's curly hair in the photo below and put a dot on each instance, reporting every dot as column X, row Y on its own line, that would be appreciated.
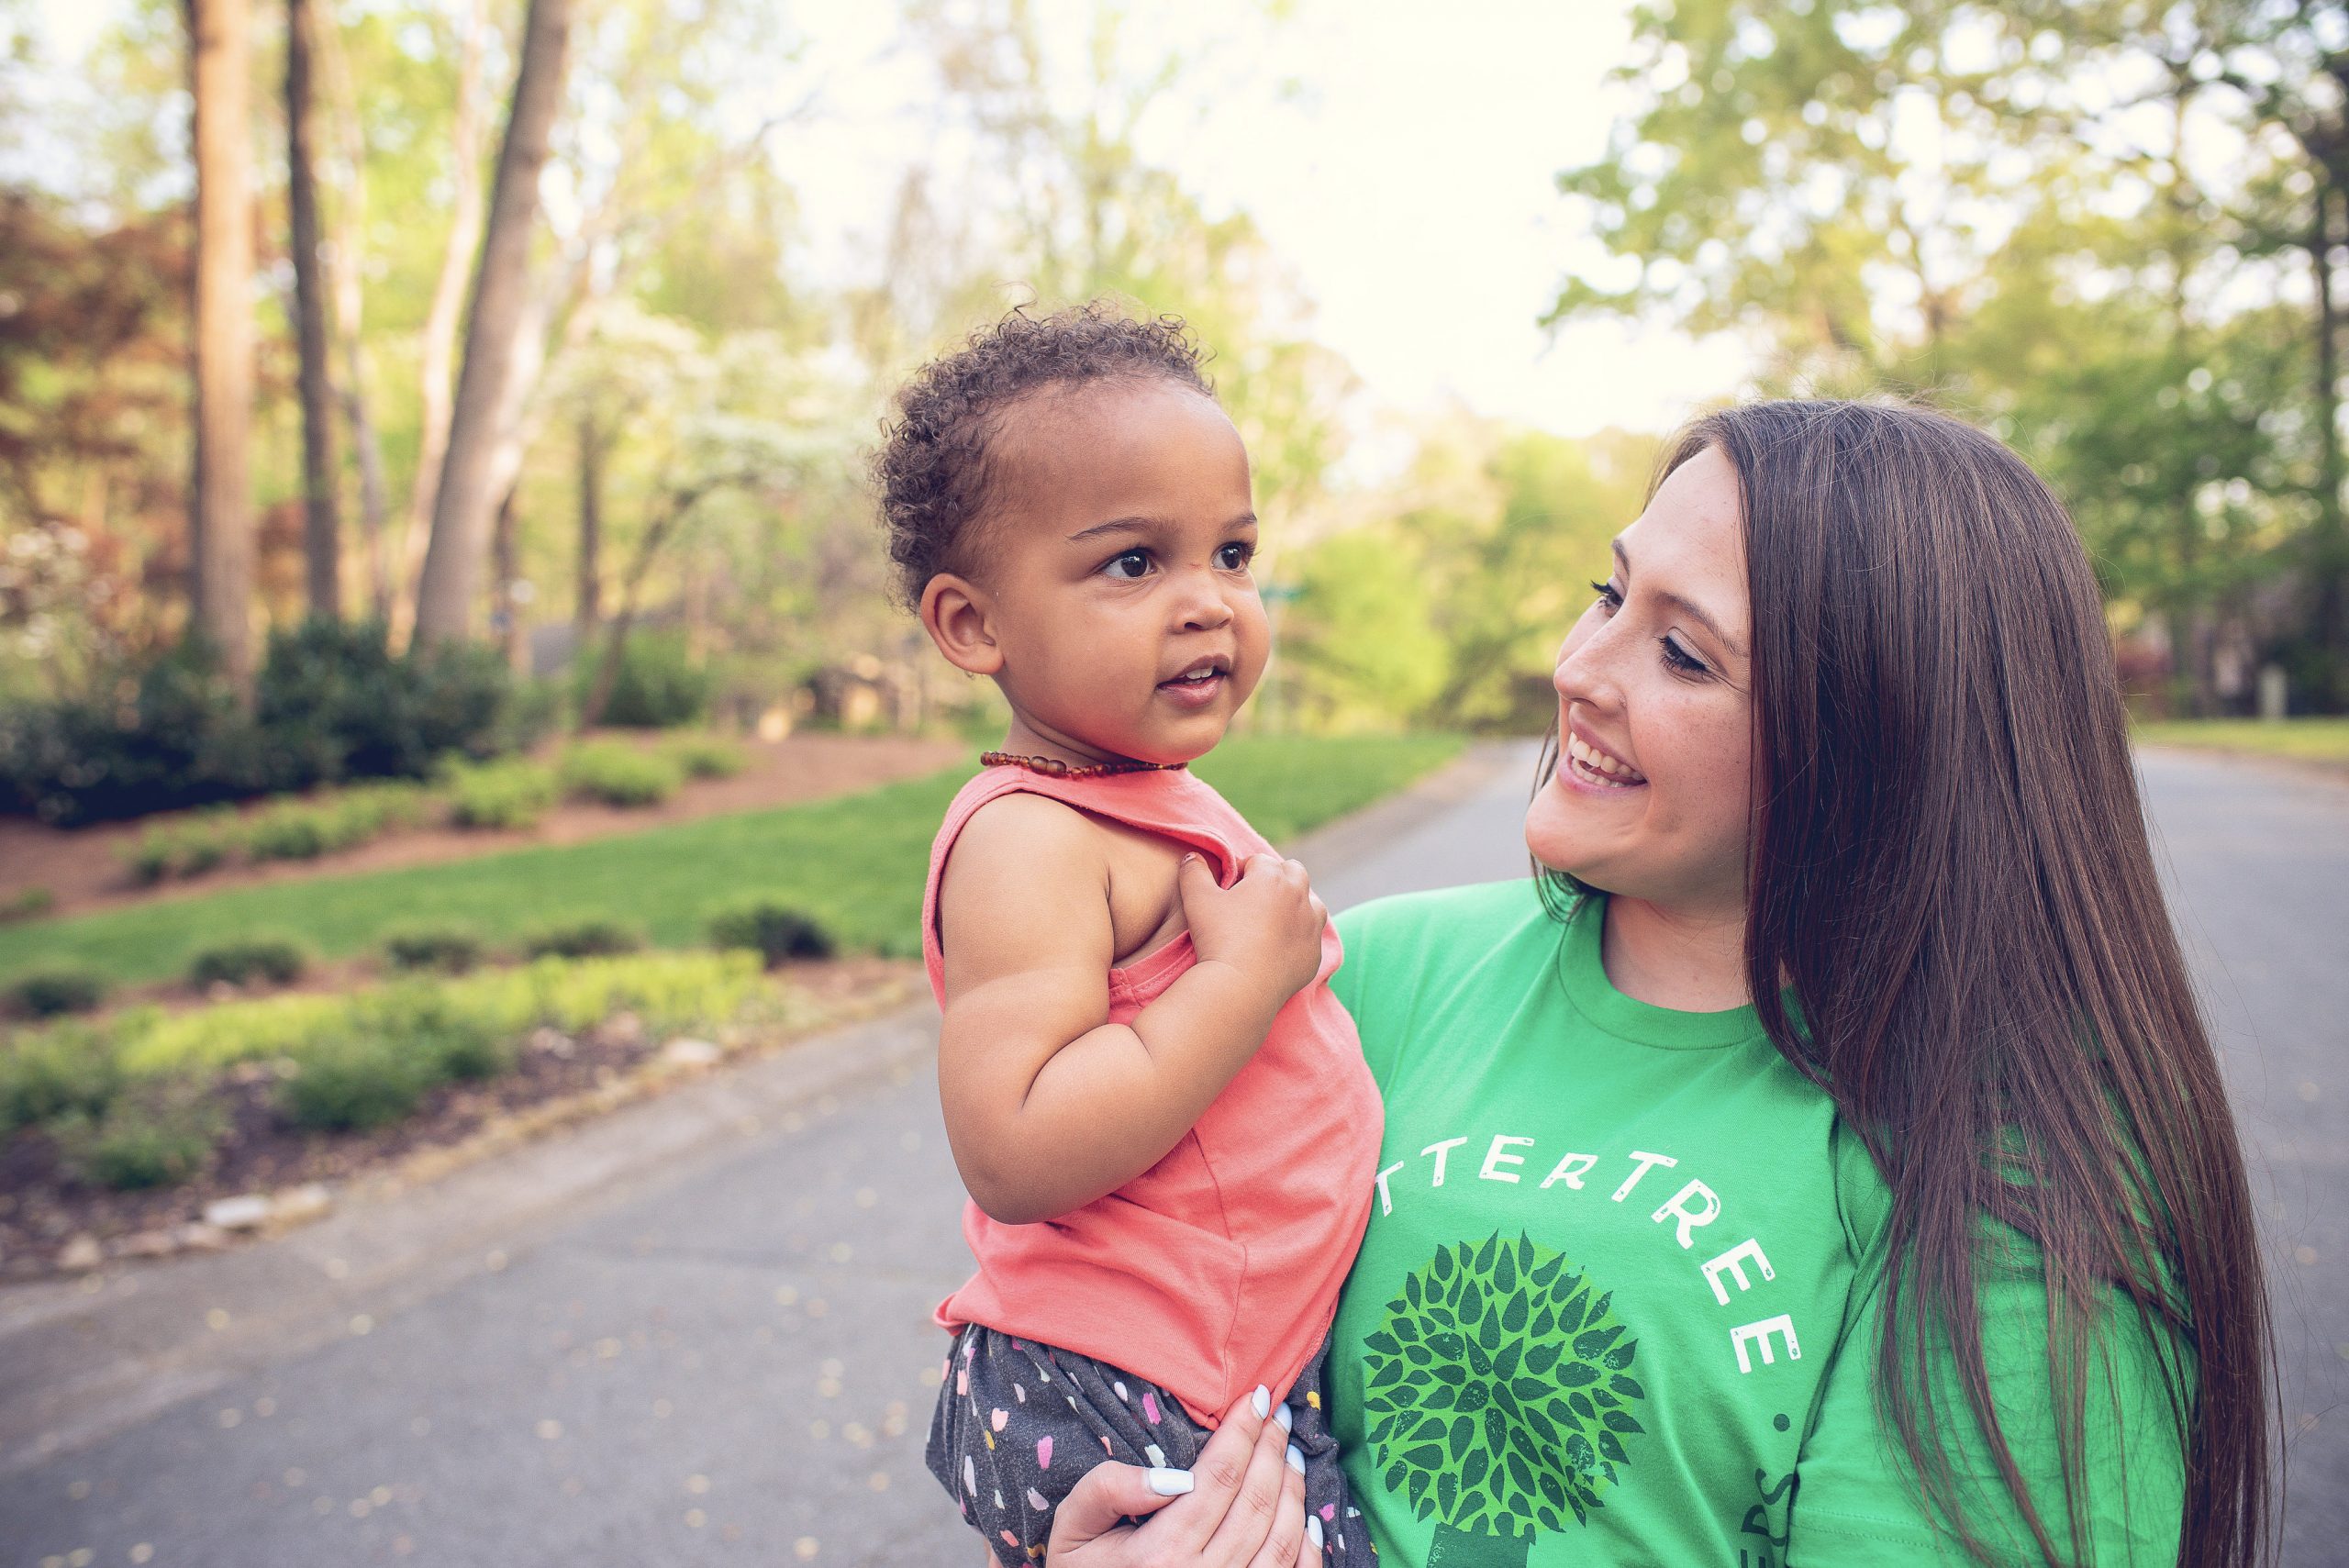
column 933, row 470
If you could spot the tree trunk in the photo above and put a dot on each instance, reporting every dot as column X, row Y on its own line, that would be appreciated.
column 1474, row 1549
column 222, row 520
column 590, row 601
column 2329, row 549
column 504, row 557
column 461, row 513
column 322, row 521
column 447, row 304
column 351, row 229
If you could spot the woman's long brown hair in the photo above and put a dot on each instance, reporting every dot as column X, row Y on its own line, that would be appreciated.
column 1950, row 872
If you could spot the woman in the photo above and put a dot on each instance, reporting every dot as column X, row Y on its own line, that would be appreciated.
column 1823, row 1162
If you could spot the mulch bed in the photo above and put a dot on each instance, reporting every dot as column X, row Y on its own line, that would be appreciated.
column 41, row 1208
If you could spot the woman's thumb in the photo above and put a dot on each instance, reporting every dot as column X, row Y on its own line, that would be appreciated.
column 1107, row 1494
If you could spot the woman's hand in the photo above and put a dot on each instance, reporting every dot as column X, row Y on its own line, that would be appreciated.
column 1242, row 1505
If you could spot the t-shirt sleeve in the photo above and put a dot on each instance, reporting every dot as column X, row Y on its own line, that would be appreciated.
column 1859, row 1505
column 1360, row 931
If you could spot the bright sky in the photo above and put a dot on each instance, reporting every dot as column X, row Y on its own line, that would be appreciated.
column 1407, row 183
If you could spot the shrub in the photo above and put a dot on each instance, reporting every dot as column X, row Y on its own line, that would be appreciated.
column 510, row 794
column 659, row 686
column 453, row 950
column 355, row 1080
column 293, row 831
column 154, row 1133
column 618, row 774
column 171, row 734
column 29, row 904
column 70, row 1069
column 52, row 992
column 424, row 1023
column 776, row 931
column 331, row 703
column 707, row 756
column 583, row 938
column 278, row 959
column 189, row 847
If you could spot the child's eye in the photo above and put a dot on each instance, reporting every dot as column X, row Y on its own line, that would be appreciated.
column 1609, row 594
column 1127, row 567
column 1235, row 556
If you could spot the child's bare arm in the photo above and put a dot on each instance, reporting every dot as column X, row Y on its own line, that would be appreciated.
column 1048, row 1104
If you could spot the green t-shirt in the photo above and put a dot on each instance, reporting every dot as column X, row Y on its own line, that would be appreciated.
column 1616, row 1302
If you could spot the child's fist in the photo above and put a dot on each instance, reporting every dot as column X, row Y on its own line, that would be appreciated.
column 1267, row 925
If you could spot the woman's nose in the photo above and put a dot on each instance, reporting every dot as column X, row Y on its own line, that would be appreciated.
column 1584, row 671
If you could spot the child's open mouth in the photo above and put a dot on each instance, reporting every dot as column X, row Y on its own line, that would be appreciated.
column 1198, row 686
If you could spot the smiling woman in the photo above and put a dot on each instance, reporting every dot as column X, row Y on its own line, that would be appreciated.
column 1823, row 1162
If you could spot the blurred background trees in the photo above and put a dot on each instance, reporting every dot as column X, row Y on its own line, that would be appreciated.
column 540, row 354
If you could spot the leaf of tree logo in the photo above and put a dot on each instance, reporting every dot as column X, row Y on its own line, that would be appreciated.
column 1500, row 1396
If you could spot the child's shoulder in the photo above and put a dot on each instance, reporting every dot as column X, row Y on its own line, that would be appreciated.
column 1020, row 836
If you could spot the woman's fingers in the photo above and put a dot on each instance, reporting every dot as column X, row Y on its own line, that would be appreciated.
column 1256, row 1508
column 1106, row 1496
column 1284, row 1543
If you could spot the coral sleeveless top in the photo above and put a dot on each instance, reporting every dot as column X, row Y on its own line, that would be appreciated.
column 1218, row 1268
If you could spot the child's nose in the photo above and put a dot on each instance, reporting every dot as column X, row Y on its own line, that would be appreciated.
column 1204, row 606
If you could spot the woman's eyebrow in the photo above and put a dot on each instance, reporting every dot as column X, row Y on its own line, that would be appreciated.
column 1687, row 605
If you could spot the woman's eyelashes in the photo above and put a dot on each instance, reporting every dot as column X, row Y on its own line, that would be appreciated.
column 1675, row 658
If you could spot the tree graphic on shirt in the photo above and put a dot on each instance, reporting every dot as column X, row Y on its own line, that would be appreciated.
column 1498, row 1395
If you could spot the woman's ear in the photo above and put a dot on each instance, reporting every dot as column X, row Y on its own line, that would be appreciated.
column 960, row 618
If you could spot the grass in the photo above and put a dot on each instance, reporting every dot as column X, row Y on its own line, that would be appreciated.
column 2310, row 740
column 854, row 863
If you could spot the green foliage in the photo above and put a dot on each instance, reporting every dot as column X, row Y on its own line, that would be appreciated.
column 659, row 684
column 70, row 1069
column 51, row 991
column 451, row 948
column 583, row 938
column 772, row 930
column 27, row 903
column 355, row 1081
column 429, row 1024
column 189, row 846
column 1499, row 1390
column 703, row 755
column 2312, row 739
column 856, row 862
column 510, row 793
column 329, row 705
column 279, row 960
column 617, row 774
column 154, row 1133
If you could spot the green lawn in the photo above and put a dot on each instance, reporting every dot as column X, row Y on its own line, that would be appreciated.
column 856, row 862
column 2315, row 739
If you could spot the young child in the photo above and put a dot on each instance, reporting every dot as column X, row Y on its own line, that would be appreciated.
column 1160, row 1112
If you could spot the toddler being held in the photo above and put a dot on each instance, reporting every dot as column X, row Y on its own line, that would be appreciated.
column 1160, row 1112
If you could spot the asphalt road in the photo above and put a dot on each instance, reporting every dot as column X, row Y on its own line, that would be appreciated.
column 725, row 1358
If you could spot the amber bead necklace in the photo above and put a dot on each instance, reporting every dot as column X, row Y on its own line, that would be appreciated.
column 1053, row 768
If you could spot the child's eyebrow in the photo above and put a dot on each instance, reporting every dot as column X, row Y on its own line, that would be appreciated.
column 1147, row 524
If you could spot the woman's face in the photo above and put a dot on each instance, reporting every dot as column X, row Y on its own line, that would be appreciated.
column 1651, row 796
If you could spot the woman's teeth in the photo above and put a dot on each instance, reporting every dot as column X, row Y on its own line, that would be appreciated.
column 1601, row 769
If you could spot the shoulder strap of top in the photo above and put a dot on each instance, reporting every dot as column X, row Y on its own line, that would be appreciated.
column 1171, row 804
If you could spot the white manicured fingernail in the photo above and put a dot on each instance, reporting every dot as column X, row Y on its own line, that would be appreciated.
column 1313, row 1531
column 1168, row 1483
column 1297, row 1459
column 1262, row 1399
column 1285, row 1416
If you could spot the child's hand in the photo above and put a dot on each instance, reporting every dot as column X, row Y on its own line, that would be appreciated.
column 1267, row 925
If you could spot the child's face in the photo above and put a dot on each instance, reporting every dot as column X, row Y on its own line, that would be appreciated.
column 1114, row 603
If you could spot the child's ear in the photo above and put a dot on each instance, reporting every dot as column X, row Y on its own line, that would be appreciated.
column 958, row 615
